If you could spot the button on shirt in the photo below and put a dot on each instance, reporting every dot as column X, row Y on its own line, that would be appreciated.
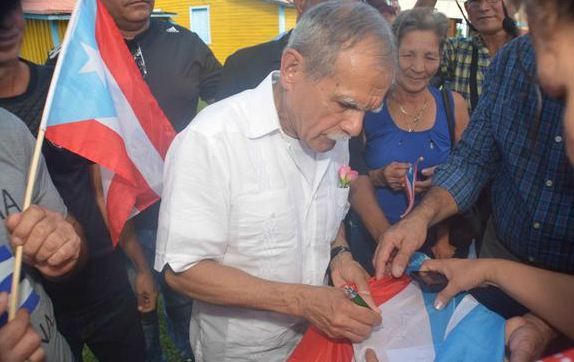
column 532, row 180
column 235, row 193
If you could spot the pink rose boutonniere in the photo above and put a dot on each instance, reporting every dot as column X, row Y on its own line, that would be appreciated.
column 346, row 176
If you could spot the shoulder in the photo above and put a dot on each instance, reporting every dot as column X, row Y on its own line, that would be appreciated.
column 516, row 57
column 218, row 119
column 170, row 31
column 459, row 42
column 255, row 52
column 15, row 138
column 459, row 100
column 12, row 127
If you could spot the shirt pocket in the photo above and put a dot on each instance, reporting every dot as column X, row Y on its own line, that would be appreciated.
column 339, row 208
column 266, row 224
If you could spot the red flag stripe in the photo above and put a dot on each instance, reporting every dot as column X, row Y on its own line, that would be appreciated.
column 125, row 192
column 120, row 64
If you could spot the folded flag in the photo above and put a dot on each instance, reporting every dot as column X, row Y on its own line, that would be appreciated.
column 413, row 330
column 100, row 107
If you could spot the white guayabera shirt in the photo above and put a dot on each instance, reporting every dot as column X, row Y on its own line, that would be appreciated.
column 241, row 193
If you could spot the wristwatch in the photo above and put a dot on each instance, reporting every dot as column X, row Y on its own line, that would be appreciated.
column 338, row 250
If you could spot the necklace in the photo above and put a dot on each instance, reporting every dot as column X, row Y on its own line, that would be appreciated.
column 415, row 118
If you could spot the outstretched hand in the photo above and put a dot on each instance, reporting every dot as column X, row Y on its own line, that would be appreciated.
column 397, row 245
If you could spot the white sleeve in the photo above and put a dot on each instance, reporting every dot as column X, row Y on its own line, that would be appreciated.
column 194, row 214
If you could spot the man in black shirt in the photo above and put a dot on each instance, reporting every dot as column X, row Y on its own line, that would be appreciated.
column 179, row 68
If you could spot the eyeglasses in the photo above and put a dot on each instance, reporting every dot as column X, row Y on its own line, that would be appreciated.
column 475, row 4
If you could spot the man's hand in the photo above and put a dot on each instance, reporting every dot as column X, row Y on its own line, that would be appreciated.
column 346, row 271
column 391, row 176
column 404, row 238
column 527, row 338
column 333, row 313
column 146, row 291
column 18, row 341
column 49, row 242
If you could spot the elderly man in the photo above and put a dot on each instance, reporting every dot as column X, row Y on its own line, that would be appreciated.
column 253, row 201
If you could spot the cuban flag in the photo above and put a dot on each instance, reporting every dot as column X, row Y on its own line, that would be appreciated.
column 100, row 107
column 413, row 330
column 28, row 297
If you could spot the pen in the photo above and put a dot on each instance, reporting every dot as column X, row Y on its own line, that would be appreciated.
column 355, row 297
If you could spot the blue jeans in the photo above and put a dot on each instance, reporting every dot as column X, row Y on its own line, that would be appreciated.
column 177, row 310
column 111, row 329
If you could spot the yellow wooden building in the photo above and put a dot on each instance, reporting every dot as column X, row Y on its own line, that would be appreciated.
column 225, row 25
column 228, row 25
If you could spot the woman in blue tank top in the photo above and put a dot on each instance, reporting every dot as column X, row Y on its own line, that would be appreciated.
column 412, row 127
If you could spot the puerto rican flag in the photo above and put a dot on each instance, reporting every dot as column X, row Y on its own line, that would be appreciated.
column 413, row 330
column 100, row 107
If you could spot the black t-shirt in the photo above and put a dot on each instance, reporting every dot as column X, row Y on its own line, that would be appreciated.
column 29, row 105
column 179, row 68
column 104, row 274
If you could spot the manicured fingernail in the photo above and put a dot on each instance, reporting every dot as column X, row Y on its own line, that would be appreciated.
column 438, row 305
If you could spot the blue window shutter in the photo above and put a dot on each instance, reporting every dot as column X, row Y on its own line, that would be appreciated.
column 199, row 22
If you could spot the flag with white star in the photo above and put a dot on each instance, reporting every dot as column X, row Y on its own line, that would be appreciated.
column 100, row 107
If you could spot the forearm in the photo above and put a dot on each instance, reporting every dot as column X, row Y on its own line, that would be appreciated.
column 364, row 202
column 96, row 179
column 437, row 205
column 236, row 288
column 132, row 248
column 547, row 294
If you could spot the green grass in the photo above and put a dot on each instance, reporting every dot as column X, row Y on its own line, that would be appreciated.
column 167, row 345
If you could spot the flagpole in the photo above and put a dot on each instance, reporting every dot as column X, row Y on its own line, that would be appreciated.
column 33, row 171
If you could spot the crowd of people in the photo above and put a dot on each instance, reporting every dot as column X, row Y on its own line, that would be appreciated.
column 479, row 126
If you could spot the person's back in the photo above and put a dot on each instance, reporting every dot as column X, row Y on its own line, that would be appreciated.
column 247, row 67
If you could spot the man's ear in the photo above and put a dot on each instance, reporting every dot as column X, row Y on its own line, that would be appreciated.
column 292, row 68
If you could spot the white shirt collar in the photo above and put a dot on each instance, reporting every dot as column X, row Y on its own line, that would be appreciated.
column 267, row 120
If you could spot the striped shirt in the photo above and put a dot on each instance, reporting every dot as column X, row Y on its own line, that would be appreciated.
column 456, row 64
column 522, row 153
